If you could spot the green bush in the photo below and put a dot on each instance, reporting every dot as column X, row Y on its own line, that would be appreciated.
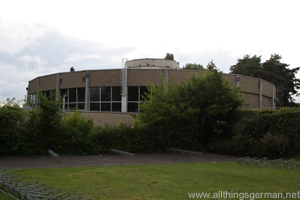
column 75, row 135
column 269, row 145
column 273, row 145
column 12, row 119
column 190, row 114
column 177, row 123
column 271, row 133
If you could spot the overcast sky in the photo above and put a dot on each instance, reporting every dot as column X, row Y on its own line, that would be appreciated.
column 44, row 37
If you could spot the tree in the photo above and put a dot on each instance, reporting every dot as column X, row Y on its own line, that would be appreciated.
column 211, row 66
column 191, row 66
column 12, row 120
column 44, row 124
column 169, row 56
column 194, row 111
column 271, row 70
column 248, row 66
column 72, row 69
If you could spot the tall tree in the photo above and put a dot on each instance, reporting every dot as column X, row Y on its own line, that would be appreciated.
column 248, row 66
column 271, row 70
column 169, row 56
column 279, row 74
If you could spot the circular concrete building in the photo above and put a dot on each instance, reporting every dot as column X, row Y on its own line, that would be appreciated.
column 111, row 94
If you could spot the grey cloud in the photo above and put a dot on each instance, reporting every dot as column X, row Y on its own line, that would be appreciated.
column 14, row 37
column 55, row 49
column 49, row 54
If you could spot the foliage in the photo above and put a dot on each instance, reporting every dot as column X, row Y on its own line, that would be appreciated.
column 271, row 133
column 12, row 119
column 211, row 66
column 72, row 69
column 45, row 124
column 186, row 120
column 171, row 117
column 169, row 56
column 248, row 66
column 271, row 70
column 76, row 133
column 269, row 145
column 193, row 66
column 277, row 144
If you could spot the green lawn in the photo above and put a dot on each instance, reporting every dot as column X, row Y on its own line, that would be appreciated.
column 168, row 181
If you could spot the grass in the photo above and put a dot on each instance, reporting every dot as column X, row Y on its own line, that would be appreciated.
column 168, row 181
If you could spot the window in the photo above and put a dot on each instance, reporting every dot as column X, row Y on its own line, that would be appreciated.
column 106, row 99
column 133, row 93
column 74, row 98
column 72, row 95
column 105, row 93
column 134, row 96
column 81, row 94
column 94, row 94
column 33, row 98
column 64, row 93
column 50, row 94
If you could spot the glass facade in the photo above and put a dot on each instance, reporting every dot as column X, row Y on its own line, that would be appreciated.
column 50, row 94
column 135, row 94
column 74, row 98
column 33, row 98
column 106, row 99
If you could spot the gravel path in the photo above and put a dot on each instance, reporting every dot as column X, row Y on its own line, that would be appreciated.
column 107, row 160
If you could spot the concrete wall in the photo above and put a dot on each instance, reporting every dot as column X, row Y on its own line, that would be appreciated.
column 267, row 88
column 140, row 77
column 252, row 100
column 102, row 78
column 249, row 84
column 178, row 76
column 47, row 82
column 71, row 80
column 231, row 78
column 33, row 86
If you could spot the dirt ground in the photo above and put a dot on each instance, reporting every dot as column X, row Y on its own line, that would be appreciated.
column 107, row 160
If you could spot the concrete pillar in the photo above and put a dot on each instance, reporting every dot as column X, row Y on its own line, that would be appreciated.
column 237, row 84
column 124, row 89
column 260, row 93
column 87, row 91
column 273, row 96
column 124, row 103
column 57, row 88
column 38, row 90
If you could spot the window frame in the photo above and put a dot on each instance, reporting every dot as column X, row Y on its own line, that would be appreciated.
column 112, row 103
column 68, row 104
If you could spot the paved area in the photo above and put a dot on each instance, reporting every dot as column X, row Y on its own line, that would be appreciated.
column 107, row 160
